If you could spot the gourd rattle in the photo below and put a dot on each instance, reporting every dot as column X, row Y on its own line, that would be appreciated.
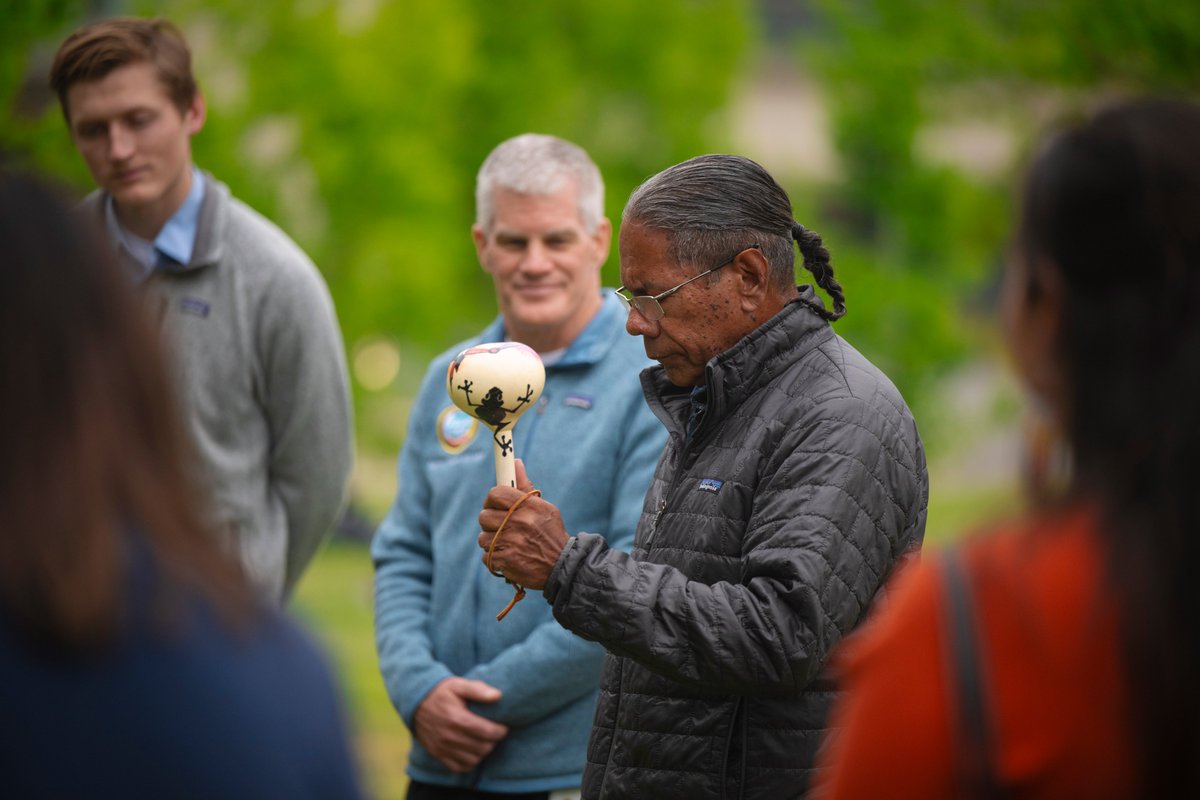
column 496, row 383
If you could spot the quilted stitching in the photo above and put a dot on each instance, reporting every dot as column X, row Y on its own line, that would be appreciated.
column 804, row 422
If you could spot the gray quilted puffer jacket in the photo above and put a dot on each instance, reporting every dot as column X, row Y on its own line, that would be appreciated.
column 761, row 544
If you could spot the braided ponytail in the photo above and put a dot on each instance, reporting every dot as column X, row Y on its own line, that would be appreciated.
column 816, row 261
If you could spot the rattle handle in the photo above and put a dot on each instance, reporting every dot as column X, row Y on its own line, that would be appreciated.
column 506, row 465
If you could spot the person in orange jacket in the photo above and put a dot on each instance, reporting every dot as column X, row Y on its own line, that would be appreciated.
column 1058, row 658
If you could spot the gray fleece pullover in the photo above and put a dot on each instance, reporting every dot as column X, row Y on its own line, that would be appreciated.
column 262, row 376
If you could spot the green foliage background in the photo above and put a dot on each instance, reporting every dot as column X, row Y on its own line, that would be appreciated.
column 924, row 238
column 358, row 126
column 361, row 131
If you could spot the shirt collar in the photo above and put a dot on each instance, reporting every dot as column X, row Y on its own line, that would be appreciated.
column 141, row 263
column 177, row 238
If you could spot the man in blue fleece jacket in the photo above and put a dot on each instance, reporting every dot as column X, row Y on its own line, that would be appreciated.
column 503, row 708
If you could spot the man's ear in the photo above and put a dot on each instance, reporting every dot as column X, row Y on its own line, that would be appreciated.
column 479, row 236
column 602, row 239
column 752, row 273
column 197, row 112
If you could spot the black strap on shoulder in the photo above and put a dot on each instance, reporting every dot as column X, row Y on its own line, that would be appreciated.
column 976, row 771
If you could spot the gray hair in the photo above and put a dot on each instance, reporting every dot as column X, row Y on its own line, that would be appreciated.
column 537, row 164
column 712, row 206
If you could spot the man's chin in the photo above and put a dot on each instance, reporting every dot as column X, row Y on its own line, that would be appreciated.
column 682, row 378
column 134, row 195
column 539, row 313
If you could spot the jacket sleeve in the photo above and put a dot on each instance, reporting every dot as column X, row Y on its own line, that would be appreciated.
column 566, row 666
column 828, row 517
column 308, row 407
column 402, row 551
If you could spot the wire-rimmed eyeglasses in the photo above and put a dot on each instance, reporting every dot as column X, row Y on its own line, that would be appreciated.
column 650, row 306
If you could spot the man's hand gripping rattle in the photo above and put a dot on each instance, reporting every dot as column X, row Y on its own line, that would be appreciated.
column 496, row 383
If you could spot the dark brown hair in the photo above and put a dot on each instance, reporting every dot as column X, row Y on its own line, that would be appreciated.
column 90, row 53
column 95, row 464
column 1113, row 207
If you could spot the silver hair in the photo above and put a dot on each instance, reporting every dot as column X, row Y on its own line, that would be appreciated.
column 537, row 164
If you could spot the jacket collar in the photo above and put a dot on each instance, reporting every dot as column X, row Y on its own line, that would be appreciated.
column 210, row 230
column 592, row 343
column 743, row 369
column 207, row 248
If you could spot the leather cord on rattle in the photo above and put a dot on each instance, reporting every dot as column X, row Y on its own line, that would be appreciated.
column 520, row 593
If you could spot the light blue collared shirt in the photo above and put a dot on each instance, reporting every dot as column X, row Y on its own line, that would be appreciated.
column 177, row 237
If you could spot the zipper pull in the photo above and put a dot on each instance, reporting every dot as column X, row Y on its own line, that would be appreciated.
column 658, row 515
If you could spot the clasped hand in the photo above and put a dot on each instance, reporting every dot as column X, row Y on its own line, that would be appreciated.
column 532, row 537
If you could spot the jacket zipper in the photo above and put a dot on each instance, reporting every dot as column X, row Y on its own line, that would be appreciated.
column 670, row 491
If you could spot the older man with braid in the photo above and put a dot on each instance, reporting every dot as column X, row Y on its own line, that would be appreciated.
column 792, row 484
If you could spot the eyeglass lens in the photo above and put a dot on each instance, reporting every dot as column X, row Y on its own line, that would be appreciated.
column 646, row 305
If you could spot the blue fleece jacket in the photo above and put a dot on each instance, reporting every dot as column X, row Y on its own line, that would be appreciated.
column 590, row 444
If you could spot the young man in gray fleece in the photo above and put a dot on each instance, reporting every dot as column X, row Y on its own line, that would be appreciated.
column 260, row 362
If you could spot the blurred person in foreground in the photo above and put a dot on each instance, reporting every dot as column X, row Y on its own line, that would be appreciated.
column 135, row 661
column 1075, row 674
column 254, row 338
column 792, row 485
column 502, row 708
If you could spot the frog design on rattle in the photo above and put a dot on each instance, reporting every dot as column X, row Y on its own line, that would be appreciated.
column 508, row 369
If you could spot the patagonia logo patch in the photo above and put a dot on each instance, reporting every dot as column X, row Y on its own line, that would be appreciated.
column 455, row 429
column 194, row 306
column 578, row 401
column 710, row 485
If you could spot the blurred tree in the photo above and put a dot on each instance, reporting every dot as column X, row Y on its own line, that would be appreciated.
column 918, row 226
column 359, row 124
column 24, row 95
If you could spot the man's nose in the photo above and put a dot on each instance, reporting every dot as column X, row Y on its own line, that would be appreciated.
column 120, row 143
column 637, row 325
column 537, row 258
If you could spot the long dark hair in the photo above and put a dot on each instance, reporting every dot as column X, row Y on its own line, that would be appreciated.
column 1114, row 206
column 93, row 447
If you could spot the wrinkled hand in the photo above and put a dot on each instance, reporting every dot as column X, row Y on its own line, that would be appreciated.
column 453, row 734
column 533, row 537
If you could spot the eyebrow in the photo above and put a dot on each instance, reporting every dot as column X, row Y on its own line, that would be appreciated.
column 121, row 114
column 644, row 290
column 502, row 234
column 637, row 291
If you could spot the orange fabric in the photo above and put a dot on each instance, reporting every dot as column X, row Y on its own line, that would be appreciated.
column 1052, row 674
